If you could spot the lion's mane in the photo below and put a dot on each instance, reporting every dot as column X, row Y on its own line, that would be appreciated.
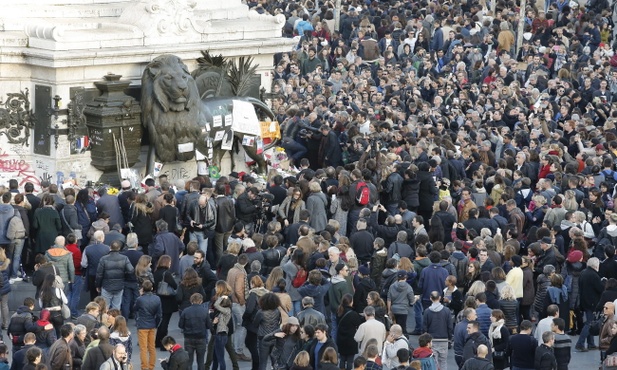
column 170, row 106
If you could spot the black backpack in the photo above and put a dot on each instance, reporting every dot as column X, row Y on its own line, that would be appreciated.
column 385, row 286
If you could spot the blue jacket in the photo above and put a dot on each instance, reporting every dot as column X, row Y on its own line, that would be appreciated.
column 460, row 337
column 92, row 255
column 194, row 321
column 318, row 293
column 148, row 311
column 484, row 318
column 437, row 321
column 432, row 278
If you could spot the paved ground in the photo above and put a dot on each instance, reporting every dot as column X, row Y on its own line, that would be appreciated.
column 586, row 360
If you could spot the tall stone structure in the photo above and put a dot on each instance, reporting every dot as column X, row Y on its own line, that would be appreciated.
column 58, row 47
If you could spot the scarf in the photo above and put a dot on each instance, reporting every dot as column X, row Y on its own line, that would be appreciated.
column 494, row 330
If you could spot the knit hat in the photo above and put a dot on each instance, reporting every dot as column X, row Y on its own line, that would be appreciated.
column 575, row 256
column 293, row 321
column 363, row 270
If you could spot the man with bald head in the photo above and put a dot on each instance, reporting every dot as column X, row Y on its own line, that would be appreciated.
column 394, row 342
column 479, row 362
column 608, row 310
column 118, row 360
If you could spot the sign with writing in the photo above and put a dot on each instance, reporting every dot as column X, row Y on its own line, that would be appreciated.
column 245, row 119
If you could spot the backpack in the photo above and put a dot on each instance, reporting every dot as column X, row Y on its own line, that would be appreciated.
column 300, row 278
column 16, row 228
column 428, row 363
column 385, row 286
column 461, row 269
column 610, row 178
column 363, row 193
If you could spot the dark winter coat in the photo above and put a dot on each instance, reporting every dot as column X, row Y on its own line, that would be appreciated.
column 477, row 363
column 571, row 273
column 348, row 324
column 544, row 358
column 168, row 303
column 329, row 343
column 167, row 243
column 148, row 311
column 471, row 344
column 112, row 271
column 47, row 225
column 178, row 360
column 590, row 296
column 428, row 191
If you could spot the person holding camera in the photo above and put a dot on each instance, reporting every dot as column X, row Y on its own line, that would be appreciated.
column 118, row 360
column 246, row 207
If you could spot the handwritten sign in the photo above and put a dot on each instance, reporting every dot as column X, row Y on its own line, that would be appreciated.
column 245, row 119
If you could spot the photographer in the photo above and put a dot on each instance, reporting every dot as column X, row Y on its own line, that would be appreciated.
column 246, row 207
column 117, row 361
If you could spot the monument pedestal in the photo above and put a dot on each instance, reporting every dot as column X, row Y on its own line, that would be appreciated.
column 60, row 46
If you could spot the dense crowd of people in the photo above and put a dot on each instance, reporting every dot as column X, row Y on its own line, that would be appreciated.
column 449, row 185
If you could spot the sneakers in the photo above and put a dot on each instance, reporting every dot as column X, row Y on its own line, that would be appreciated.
column 15, row 279
column 243, row 357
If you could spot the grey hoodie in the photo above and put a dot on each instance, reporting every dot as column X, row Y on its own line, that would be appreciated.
column 400, row 297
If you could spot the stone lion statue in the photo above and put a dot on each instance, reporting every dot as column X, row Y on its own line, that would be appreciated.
column 174, row 114
column 170, row 106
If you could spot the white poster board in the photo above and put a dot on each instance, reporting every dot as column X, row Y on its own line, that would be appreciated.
column 245, row 119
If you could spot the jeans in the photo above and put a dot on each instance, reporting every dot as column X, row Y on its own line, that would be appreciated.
column 162, row 330
column 239, row 334
column 196, row 346
column 417, row 309
column 220, row 340
column 18, row 247
column 265, row 350
column 230, row 352
column 129, row 296
column 346, row 362
column 294, row 149
column 201, row 239
column 147, row 349
column 295, row 308
column 220, row 243
column 75, row 294
column 440, row 349
column 401, row 319
column 5, row 311
column 334, row 325
column 113, row 299
column 251, row 345
column 392, row 209
column 585, row 332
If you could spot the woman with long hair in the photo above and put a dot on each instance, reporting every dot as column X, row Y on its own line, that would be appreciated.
column 342, row 203
column 437, row 232
column 348, row 323
column 221, row 289
column 141, row 219
column 52, row 298
column 268, row 320
column 143, row 270
column 190, row 284
column 120, row 334
column 276, row 275
column 374, row 299
column 286, row 343
column 329, row 360
column 168, row 302
column 472, row 275
column 289, row 210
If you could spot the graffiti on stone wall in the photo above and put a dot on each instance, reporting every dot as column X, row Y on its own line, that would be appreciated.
column 19, row 169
